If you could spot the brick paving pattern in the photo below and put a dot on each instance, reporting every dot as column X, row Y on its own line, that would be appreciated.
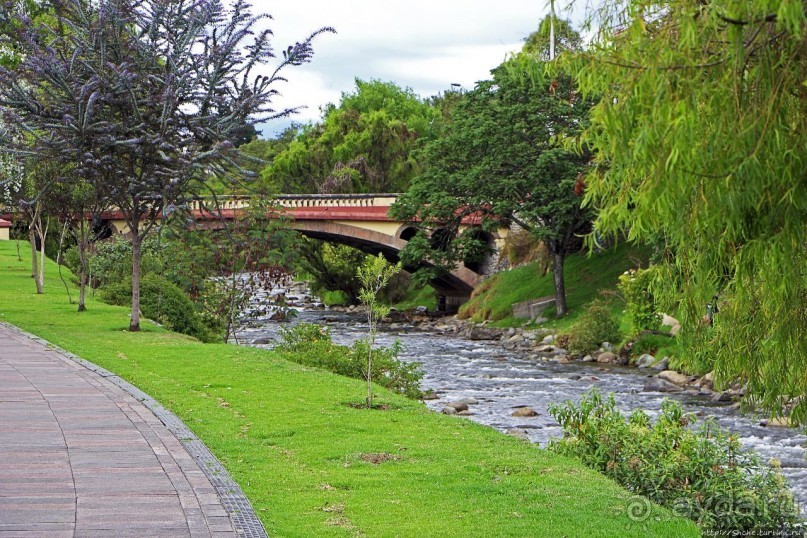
column 84, row 453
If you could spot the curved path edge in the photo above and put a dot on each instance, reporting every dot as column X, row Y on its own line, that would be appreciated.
column 238, row 508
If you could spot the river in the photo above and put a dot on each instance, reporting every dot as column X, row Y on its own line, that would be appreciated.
column 501, row 381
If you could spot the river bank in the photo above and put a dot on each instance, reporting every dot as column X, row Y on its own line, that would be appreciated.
column 507, row 378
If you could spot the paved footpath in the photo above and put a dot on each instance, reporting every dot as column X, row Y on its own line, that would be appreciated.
column 80, row 455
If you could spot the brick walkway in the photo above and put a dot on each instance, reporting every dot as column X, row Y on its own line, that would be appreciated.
column 81, row 456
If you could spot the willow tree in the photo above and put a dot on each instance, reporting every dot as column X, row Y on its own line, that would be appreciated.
column 701, row 143
column 145, row 98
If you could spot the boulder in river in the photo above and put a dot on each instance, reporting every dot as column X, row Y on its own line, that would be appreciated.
column 674, row 377
column 481, row 333
column 645, row 361
column 524, row 412
column 262, row 341
column 518, row 432
column 778, row 422
column 721, row 397
column 660, row 385
column 458, row 406
column 663, row 364
column 606, row 357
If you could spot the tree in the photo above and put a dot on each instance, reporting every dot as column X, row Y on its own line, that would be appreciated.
column 374, row 275
column 700, row 144
column 501, row 161
column 363, row 145
column 145, row 98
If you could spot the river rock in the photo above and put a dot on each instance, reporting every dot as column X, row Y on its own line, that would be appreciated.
column 674, row 377
column 524, row 412
column 480, row 333
column 660, row 385
column 778, row 422
column 663, row 364
column 467, row 401
column 518, row 432
column 721, row 397
column 262, row 341
column 548, row 339
column 589, row 358
column 575, row 377
column 672, row 323
column 709, row 378
column 458, row 406
column 449, row 411
column 645, row 361
column 516, row 338
column 606, row 357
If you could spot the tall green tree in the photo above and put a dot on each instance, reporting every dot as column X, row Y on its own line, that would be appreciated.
column 701, row 143
column 362, row 145
column 502, row 161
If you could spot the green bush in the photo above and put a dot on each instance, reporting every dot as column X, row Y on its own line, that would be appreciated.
column 635, row 286
column 163, row 302
column 311, row 345
column 702, row 474
column 597, row 324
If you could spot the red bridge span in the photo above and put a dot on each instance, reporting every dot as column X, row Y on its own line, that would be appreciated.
column 361, row 221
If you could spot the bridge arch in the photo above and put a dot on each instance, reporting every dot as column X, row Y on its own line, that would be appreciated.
column 458, row 283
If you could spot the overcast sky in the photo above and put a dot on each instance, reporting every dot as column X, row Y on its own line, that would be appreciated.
column 423, row 44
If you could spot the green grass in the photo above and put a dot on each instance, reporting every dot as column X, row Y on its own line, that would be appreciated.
column 585, row 276
column 288, row 436
column 334, row 298
column 415, row 297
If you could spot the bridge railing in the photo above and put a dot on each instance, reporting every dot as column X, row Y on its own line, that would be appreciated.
column 293, row 201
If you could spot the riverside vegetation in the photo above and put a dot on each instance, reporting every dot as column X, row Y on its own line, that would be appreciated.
column 312, row 463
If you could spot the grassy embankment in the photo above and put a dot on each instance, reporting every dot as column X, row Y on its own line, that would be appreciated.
column 586, row 276
column 305, row 457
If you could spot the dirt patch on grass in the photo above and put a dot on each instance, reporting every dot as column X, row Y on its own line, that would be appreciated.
column 377, row 458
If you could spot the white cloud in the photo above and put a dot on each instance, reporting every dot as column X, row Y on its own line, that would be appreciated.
column 423, row 44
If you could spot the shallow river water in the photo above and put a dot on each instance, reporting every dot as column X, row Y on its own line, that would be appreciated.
column 502, row 380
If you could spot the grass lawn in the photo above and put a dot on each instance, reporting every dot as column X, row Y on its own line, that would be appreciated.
column 308, row 461
column 585, row 275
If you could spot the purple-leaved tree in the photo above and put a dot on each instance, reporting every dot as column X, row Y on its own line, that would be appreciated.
column 143, row 98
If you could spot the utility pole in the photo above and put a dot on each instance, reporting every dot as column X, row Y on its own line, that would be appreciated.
column 551, row 30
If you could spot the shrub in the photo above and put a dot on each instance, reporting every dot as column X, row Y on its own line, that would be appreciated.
column 702, row 474
column 635, row 286
column 311, row 345
column 163, row 302
column 597, row 324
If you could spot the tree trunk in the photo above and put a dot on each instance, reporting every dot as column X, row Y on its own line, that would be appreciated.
column 82, row 255
column 137, row 241
column 34, row 260
column 560, row 284
column 43, row 236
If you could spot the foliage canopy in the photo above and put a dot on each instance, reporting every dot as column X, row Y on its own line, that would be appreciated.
column 501, row 161
column 700, row 143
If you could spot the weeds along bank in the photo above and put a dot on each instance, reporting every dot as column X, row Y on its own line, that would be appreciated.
column 311, row 462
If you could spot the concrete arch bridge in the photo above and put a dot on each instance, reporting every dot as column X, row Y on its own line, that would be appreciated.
column 358, row 220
